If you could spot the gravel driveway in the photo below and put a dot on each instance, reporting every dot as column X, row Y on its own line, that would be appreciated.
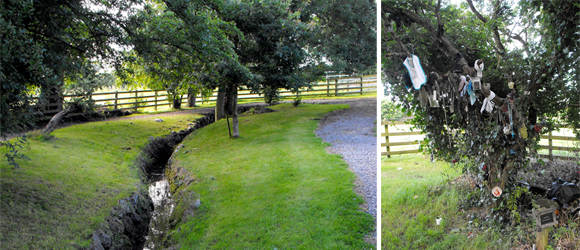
column 352, row 134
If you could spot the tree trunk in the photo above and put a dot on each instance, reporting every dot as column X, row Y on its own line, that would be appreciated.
column 233, row 110
column 191, row 98
column 219, row 104
column 55, row 120
column 177, row 101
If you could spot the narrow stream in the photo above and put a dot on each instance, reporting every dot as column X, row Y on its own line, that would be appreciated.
column 163, row 207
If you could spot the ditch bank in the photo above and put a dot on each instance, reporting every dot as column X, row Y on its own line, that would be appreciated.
column 128, row 225
column 141, row 221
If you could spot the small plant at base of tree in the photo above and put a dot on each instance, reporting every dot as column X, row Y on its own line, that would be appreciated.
column 297, row 101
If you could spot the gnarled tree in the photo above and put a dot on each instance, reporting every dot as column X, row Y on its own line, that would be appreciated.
column 534, row 45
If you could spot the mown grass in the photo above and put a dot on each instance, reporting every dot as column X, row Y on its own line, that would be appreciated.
column 275, row 187
column 58, row 198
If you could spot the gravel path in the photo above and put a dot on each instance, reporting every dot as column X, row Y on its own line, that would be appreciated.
column 352, row 134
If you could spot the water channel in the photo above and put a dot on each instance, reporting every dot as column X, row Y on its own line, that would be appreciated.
column 163, row 207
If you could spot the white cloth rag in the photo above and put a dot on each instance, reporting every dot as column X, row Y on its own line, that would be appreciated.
column 478, row 69
column 487, row 103
column 418, row 77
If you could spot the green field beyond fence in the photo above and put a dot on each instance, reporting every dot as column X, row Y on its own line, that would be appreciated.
column 139, row 99
column 397, row 138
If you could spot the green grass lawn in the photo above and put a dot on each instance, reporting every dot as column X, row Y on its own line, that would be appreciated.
column 58, row 198
column 275, row 187
column 418, row 194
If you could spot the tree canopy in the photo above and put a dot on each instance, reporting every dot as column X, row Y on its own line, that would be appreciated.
column 49, row 47
column 534, row 44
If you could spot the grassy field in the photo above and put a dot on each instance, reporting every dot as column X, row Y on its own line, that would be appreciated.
column 416, row 193
column 273, row 188
column 58, row 198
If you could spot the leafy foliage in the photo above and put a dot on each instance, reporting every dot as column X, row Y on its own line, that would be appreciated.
column 46, row 42
column 391, row 111
column 344, row 32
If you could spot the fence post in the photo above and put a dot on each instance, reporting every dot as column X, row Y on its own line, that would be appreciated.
column 116, row 97
column 550, row 143
column 387, row 140
column 361, row 85
column 155, row 100
column 136, row 104
column 335, row 87
column 327, row 87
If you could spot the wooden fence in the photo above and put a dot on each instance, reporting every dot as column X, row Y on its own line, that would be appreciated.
column 565, row 152
column 136, row 99
column 391, row 140
column 393, row 145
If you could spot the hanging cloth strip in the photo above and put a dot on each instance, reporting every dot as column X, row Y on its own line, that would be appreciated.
column 478, row 68
column 472, row 96
column 416, row 73
column 511, row 120
column 462, row 85
column 487, row 103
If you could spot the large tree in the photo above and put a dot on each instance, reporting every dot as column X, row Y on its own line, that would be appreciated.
column 344, row 33
column 174, row 44
column 43, row 43
column 534, row 44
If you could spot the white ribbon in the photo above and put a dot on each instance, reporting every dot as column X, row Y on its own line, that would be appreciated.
column 479, row 70
column 487, row 103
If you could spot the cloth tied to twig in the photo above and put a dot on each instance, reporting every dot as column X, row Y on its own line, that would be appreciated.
column 462, row 85
column 487, row 103
column 416, row 73
column 478, row 66
column 472, row 96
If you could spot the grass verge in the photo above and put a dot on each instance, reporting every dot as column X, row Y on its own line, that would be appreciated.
column 58, row 198
column 415, row 194
column 275, row 187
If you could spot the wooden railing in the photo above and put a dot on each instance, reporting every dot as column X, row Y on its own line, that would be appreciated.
column 391, row 135
column 564, row 151
column 136, row 99
column 397, row 143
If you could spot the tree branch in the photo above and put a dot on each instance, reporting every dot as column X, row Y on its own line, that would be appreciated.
column 472, row 7
column 401, row 45
column 443, row 44
column 500, row 48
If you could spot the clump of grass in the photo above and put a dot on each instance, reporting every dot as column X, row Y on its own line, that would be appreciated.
column 39, row 136
column 297, row 101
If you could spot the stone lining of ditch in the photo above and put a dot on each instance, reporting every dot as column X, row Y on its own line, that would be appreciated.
column 127, row 225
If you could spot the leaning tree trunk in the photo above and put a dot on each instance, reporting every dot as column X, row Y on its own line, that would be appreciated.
column 55, row 120
column 219, row 104
column 191, row 98
column 232, row 110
